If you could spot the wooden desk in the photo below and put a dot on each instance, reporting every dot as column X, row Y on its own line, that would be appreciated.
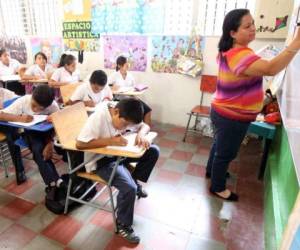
column 130, row 92
column 267, row 131
column 67, row 91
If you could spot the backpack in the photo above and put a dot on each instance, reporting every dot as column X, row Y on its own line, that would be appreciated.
column 55, row 199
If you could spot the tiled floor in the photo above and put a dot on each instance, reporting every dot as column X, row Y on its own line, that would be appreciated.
column 178, row 214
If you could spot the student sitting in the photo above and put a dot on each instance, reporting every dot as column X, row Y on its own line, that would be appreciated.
column 40, row 143
column 123, row 78
column 94, row 92
column 40, row 70
column 104, row 128
column 5, row 95
column 66, row 72
column 8, row 67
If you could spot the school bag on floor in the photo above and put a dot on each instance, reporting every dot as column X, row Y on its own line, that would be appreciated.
column 55, row 199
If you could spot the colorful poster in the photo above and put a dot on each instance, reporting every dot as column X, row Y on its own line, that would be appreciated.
column 77, row 26
column 16, row 47
column 77, row 10
column 78, row 36
column 127, row 16
column 132, row 47
column 52, row 47
column 167, row 50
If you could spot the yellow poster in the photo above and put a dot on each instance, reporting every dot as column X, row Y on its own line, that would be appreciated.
column 77, row 10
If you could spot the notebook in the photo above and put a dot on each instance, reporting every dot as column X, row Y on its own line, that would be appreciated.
column 140, row 87
column 131, row 141
column 36, row 119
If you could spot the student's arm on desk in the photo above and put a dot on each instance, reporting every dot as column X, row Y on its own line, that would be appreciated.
column 140, row 139
column 102, row 142
column 89, row 103
column 15, row 118
column 54, row 84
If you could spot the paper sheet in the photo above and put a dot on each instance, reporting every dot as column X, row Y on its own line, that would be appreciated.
column 131, row 141
column 36, row 119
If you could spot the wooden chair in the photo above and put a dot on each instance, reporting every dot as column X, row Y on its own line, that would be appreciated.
column 68, row 124
column 4, row 154
column 66, row 91
column 208, row 84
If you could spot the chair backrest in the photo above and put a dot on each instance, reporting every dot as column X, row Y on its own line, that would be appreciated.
column 208, row 83
column 66, row 91
column 68, row 123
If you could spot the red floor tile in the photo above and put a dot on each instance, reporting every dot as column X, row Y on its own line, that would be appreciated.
column 62, row 229
column 195, row 170
column 19, row 189
column 179, row 130
column 103, row 219
column 181, row 155
column 167, row 176
column 16, row 237
column 167, row 143
column 203, row 151
column 118, row 243
column 16, row 209
column 193, row 139
column 160, row 162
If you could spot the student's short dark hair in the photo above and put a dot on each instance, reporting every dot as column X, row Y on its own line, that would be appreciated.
column 98, row 77
column 43, row 95
column 131, row 109
column 40, row 54
column 121, row 60
column 66, row 60
column 2, row 51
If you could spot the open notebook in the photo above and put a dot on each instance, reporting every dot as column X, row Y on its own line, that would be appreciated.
column 131, row 141
column 36, row 119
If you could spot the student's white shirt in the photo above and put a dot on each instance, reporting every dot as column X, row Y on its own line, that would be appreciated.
column 117, row 79
column 84, row 92
column 6, row 94
column 35, row 70
column 11, row 69
column 98, row 125
column 23, row 106
column 62, row 75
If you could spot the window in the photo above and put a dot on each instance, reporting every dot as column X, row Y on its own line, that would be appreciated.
column 45, row 17
column 13, row 17
column 212, row 12
column 179, row 17
column 31, row 17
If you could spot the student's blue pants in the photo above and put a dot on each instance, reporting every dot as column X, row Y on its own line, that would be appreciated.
column 228, row 136
column 125, row 182
column 36, row 142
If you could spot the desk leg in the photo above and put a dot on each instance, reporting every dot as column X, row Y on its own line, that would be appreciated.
column 264, row 159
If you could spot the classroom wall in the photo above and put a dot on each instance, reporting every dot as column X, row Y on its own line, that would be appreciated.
column 171, row 96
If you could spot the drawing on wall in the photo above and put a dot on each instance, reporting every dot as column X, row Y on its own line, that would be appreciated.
column 52, row 47
column 134, row 48
column 16, row 47
column 166, row 51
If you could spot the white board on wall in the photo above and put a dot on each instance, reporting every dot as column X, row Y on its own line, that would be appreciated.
column 266, row 13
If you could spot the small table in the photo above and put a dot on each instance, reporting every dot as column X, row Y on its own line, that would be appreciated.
column 267, row 131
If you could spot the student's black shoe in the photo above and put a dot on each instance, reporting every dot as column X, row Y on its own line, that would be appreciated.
column 140, row 193
column 231, row 197
column 21, row 177
column 208, row 175
column 127, row 233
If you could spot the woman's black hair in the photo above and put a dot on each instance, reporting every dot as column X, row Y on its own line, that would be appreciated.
column 2, row 51
column 232, row 22
column 121, row 60
column 40, row 54
column 66, row 60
